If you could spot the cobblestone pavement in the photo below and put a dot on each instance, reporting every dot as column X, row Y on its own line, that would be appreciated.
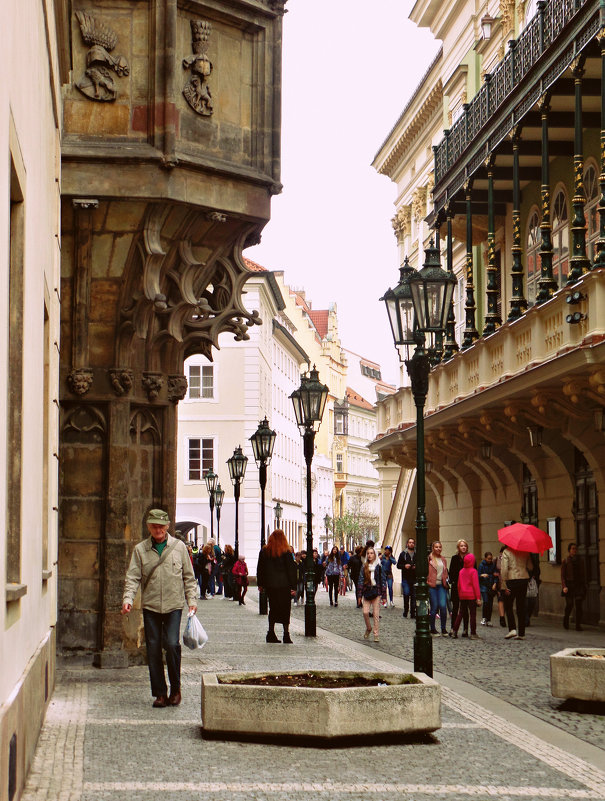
column 517, row 671
column 103, row 740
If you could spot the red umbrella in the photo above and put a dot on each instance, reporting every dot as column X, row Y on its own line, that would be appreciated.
column 525, row 537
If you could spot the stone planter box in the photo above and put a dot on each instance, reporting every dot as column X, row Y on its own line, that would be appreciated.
column 304, row 713
column 575, row 676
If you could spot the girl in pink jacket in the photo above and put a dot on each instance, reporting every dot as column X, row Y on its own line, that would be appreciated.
column 470, row 597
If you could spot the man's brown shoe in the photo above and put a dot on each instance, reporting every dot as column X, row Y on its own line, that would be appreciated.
column 174, row 699
column 160, row 701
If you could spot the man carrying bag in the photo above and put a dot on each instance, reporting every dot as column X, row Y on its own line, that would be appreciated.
column 161, row 567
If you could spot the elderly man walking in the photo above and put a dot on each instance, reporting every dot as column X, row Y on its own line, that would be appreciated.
column 161, row 567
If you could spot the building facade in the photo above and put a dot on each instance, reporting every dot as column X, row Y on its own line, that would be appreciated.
column 225, row 401
column 30, row 126
column 141, row 153
column 510, row 111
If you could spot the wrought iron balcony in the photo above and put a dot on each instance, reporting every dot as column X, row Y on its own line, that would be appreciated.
column 535, row 60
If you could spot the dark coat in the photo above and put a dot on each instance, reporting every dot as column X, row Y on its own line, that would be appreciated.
column 409, row 574
column 456, row 565
column 354, row 567
column 276, row 572
column 379, row 578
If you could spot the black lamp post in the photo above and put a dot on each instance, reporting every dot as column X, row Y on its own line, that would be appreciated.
column 309, row 402
column 326, row 525
column 422, row 299
column 211, row 480
column 237, row 470
column 219, row 494
column 262, row 441
column 278, row 511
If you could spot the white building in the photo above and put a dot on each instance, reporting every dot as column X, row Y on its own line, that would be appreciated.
column 30, row 118
column 225, row 402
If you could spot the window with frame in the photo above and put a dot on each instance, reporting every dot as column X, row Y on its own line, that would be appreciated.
column 534, row 238
column 200, row 457
column 339, row 463
column 591, row 189
column 529, row 510
column 201, row 381
column 560, row 239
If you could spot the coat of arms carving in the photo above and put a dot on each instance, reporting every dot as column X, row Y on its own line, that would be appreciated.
column 196, row 91
column 97, row 83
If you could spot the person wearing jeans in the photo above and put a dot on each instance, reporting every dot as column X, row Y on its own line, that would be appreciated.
column 387, row 561
column 514, row 575
column 161, row 567
column 333, row 573
column 437, row 581
column 407, row 564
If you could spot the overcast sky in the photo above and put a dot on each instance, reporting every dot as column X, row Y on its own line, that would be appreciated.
column 349, row 69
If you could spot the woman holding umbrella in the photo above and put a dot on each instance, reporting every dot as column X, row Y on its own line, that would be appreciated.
column 521, row 539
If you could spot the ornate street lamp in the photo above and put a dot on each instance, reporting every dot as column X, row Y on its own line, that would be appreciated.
column 309, row 402
column 400, row 309
column 326, row 526
column 278, row 511
column 431, row 293
column 219, row 494
column 262, row 441
column 237, row 470
column 211, row 480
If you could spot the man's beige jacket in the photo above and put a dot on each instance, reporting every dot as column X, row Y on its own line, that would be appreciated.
column 170, row 583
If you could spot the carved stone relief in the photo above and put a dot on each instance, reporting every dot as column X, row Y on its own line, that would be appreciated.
column 402, row 222
column 507, row 14
column 177, row 301
column 79, row 380
column 84, row 419
column 121, row 380
column 196, row 91
column 419, row 204
column 97, row 83
column 177, row 387
column 153, row 384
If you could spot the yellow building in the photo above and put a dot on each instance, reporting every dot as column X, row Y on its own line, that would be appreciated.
column 498, row 155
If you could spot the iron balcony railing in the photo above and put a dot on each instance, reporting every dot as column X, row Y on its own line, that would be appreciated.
column 541, row 32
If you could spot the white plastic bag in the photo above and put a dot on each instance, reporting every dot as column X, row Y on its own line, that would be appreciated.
column 194, row 635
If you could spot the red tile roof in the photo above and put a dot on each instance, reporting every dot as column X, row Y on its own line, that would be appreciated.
column 320, row 321
column 355, row 399
column 254, row 267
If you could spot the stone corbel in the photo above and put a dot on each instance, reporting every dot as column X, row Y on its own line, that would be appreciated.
column 121, row 380
column 177, row 388
column 79, row 380
column 153, row 383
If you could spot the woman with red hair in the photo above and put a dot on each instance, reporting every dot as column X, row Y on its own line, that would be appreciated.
column 276, row 574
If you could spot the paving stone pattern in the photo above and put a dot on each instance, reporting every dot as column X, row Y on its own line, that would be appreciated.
column 518, row 671
column 102, row 739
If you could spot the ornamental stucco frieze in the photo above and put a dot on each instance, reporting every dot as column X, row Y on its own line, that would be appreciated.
column 402, row 222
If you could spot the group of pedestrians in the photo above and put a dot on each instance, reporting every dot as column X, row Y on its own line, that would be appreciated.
column 169, row 575
column 218, row 572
